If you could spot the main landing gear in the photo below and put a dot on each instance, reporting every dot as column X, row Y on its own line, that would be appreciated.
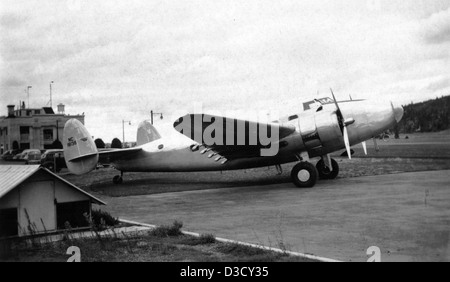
column 324, row 170
column 118, row 179
column 305, row 174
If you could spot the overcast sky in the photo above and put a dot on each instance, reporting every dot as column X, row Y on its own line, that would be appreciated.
column 116, row 60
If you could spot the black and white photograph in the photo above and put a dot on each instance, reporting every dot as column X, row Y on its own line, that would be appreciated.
column 212, row 133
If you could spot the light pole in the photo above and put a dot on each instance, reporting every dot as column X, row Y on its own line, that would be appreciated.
column 123, row 131
column 28, row 92
column 152, row 113
column 51, row 82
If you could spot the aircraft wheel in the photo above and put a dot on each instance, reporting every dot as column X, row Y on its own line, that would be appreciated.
column 324, row 172
column 117, row 179
column 304, row 175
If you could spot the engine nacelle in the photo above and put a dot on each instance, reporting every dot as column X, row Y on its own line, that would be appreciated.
column 320, row 132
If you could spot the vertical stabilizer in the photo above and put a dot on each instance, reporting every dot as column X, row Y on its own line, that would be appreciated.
column 146, row 133
column 80, row 152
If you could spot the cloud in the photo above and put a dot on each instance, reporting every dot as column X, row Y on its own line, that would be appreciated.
column 441, row 83
column 436, row 28
column 13, row 81
column 12, row 21
column 116, row 60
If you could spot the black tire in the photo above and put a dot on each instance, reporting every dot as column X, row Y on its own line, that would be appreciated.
column 117, row 179
column 324, row 172
column 304, row 175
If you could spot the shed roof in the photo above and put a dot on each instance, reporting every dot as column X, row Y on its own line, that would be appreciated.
column 12, row 176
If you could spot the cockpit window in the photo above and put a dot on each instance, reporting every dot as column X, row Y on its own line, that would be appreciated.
column 317, row 103
column 326, row 100
column 292, row 117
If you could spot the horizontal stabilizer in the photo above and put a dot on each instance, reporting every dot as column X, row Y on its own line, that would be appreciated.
column 109, row 156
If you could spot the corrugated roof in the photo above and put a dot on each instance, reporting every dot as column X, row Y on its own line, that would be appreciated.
column 12, row 176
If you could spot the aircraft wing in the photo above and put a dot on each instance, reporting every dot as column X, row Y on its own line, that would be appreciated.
column 230, row 134
column 108, row 156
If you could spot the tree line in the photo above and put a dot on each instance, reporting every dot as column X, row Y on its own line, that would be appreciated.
column 429, row 116
column 115, row 143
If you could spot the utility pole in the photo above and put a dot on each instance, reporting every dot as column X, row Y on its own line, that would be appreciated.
column 123, row 131
column 51, row 82
column 28, row 92
column 152, row 113
column 57, row 130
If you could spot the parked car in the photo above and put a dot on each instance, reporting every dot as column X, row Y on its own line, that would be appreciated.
column 9, row 155
column 24, row 155
column 32, row 157
column 53, row 160
column 18, row 156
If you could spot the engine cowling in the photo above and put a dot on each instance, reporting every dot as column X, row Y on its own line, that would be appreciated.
column 320, row 132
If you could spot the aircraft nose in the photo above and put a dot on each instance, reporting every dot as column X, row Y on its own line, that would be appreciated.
column 398, row 111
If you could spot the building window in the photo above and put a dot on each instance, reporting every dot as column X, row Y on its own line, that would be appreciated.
column 8, row 222
column 37, row 112
column 24, row 133
column 24, row 130
column 24, row 146
column 72, row 215
column 48, row 134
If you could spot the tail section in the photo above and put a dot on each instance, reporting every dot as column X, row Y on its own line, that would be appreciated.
column 80, row 152
column 146, row 133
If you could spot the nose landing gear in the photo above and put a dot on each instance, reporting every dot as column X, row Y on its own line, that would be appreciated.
column 324, row 170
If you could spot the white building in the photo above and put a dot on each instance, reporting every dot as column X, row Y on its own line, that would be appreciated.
column 36, row 128
column 34, row 200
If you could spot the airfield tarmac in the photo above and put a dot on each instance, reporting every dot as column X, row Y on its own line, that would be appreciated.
column 406, row 215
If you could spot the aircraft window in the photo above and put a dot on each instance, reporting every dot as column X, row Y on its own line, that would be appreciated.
column 326, row 100
column 194, row 147
column 292, row 117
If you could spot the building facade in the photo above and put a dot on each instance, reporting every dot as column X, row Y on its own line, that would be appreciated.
column 35, row 128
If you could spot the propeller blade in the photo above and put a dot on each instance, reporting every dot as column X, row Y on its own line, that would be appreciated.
column 334, row 98
column 338, row 112
column 343, row 125
column 364, row 147
column 347, row 143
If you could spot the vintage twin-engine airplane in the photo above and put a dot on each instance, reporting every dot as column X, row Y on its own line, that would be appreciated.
column 327, row 127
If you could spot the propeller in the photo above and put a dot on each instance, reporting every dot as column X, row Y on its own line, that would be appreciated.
column 343, row 123
column 364, row 147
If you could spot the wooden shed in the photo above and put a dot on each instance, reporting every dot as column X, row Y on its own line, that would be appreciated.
column 34, row 200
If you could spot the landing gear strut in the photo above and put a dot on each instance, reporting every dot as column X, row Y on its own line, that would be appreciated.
column 325, row 172
column 118, row 179
column 304, row 175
